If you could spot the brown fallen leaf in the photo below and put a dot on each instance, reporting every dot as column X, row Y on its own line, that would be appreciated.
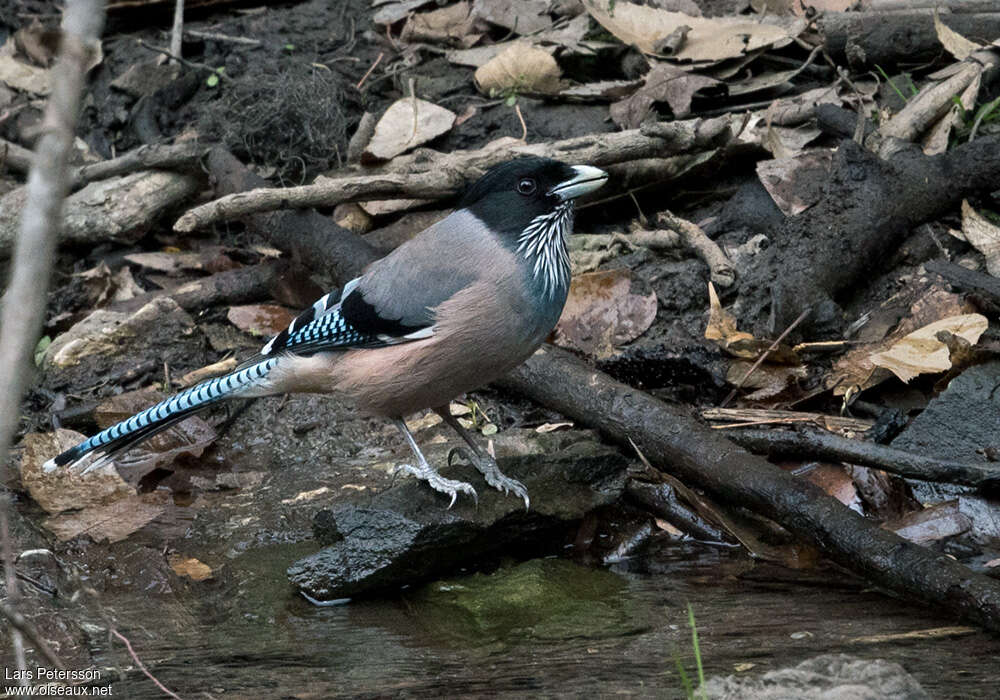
column 796, row 183
column 722, row 329
column 261, row 319
column 112, row 522
column 664, row 83
column 917, row 305
column 769, row 380
column 453, row 25
column 708, row 40
column 408, row 123
column 982, row 234
column 602, row 312
column 63, row 489
column 936, row 522
column 520, row 68
column 190, row 567
column 921, row 352
column 22, row 76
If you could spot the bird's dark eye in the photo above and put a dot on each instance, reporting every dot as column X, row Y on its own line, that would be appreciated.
column 526, row 186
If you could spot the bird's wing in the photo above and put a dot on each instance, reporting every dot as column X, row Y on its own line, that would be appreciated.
column 395, row 300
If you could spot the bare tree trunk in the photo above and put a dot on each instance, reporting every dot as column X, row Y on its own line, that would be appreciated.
column 24, row 300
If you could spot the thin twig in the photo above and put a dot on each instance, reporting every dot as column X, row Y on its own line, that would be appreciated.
column 524, row 127
column 190, row 64
column 369, row 71
column 142, row 666
column 763, row 357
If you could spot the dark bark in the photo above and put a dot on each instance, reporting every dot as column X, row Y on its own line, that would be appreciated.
column 311, row 237
column 239, row 286
column 888, row 39
column 981, row 284
column 815, row 444
column 868, row 206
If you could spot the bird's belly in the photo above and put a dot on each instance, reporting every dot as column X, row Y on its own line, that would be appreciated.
column 402, row 379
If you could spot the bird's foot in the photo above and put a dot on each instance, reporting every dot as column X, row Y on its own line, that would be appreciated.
column 487, row 466
column 449, row 487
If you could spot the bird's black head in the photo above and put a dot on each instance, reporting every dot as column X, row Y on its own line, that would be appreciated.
column 513, row 194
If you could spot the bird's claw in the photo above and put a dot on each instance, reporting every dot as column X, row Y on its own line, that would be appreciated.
column 487, row 466
column 449, row 487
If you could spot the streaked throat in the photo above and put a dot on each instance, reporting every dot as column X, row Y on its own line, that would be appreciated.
column 543, row 244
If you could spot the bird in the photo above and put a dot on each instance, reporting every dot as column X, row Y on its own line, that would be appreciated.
column 453, row 308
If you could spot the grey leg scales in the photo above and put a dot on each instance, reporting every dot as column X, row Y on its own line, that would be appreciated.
column 486, row 465
column 423, row 470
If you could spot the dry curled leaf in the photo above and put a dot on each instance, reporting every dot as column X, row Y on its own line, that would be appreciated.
column 520, row 68
column 921, row 352
column 956, row 44
column 982, row 234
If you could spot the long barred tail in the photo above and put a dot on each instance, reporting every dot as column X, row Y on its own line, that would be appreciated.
column 109, row 443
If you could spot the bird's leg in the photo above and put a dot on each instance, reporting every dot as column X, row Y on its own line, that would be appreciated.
column 481, row 460
column 423, row 470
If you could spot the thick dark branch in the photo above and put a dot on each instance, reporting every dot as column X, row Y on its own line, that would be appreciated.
column 819, row 444
column 700, row 457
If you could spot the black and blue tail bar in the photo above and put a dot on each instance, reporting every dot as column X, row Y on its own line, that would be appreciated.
column 154, row 419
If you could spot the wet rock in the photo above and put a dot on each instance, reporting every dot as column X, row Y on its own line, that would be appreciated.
column 960, row 424
column 407, row 534
column 831, row 677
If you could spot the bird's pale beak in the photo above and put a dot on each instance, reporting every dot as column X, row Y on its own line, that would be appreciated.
column 587, row 179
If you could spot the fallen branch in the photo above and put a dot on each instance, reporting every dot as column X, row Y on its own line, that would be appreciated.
column 240, row 286
column 679, row 444
column 181, row 157
column 721, row 271
column 816, row 444
column 422, row 176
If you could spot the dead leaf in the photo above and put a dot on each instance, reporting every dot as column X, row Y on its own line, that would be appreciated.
column 953, row 42
column 796, row 183
column 602, row 312
column 112, row 522
column 392, row 12
column 769, row 380
column 936, row 522
column 190, row 567
column 722, row 329
column 305, row 496
column 906, row 311
column 982, row 234
column 521, row 68
column 453, row 25
column 664, row 83
column 709, row 39
column 261, row 319
column 64, row 489
column 835, row 481
column 520, row 16
column 399, row 129
column 549, row 427
column 22, row 76
column 921, row 352
column 601, row 91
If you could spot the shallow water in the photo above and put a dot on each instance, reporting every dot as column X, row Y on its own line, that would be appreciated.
column 544, row 628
